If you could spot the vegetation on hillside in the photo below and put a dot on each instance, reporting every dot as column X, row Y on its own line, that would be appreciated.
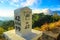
column 40, row 19
column 50, row 26
column 46, row 22
column 5, row 26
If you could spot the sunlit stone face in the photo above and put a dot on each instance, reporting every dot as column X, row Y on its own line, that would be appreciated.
column 23, row 20
column 27, row 18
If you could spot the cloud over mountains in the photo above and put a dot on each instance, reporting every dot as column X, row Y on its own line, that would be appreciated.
column 21, row 3
column 45, row 11
column 6, row 13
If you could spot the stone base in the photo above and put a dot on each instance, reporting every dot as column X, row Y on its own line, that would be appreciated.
column 11, row 35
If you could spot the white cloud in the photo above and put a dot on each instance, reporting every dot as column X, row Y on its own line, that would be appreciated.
column 15, row 1
column 21, row 0
column 16, row 5
column 24, row 3
column 55, row 9
column 2, row 1
column 36, row 11
column 27, row 2
column 45, row 11
column 11, row 3
column 6, row 13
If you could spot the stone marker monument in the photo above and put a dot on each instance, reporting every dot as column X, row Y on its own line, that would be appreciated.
column 23, row 21
column 23, row 26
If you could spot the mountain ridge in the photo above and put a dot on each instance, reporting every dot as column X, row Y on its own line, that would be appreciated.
column 45, row 11
column 6, row 18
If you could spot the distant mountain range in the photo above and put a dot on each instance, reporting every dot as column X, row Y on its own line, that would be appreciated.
column 57, row 12
column 1, row 22
column 45, row 11
column 6, row 18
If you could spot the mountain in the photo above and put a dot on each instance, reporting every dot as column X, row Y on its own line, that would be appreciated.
column 1, row 22
column 6, row 18
column 57, row 11
column 45, row 11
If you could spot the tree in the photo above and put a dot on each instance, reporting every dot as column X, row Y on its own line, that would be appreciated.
column 44, row 27
column 2, row 30
column 55, row 17
column 10, row 28
column 7, row 24
column 40, row 19
column 35, row 18
column 52, row 26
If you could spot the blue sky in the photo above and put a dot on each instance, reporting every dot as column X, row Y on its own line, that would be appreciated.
column 40, row 4
column 10, row 5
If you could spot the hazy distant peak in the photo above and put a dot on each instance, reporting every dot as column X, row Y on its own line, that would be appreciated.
column 45, row 11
